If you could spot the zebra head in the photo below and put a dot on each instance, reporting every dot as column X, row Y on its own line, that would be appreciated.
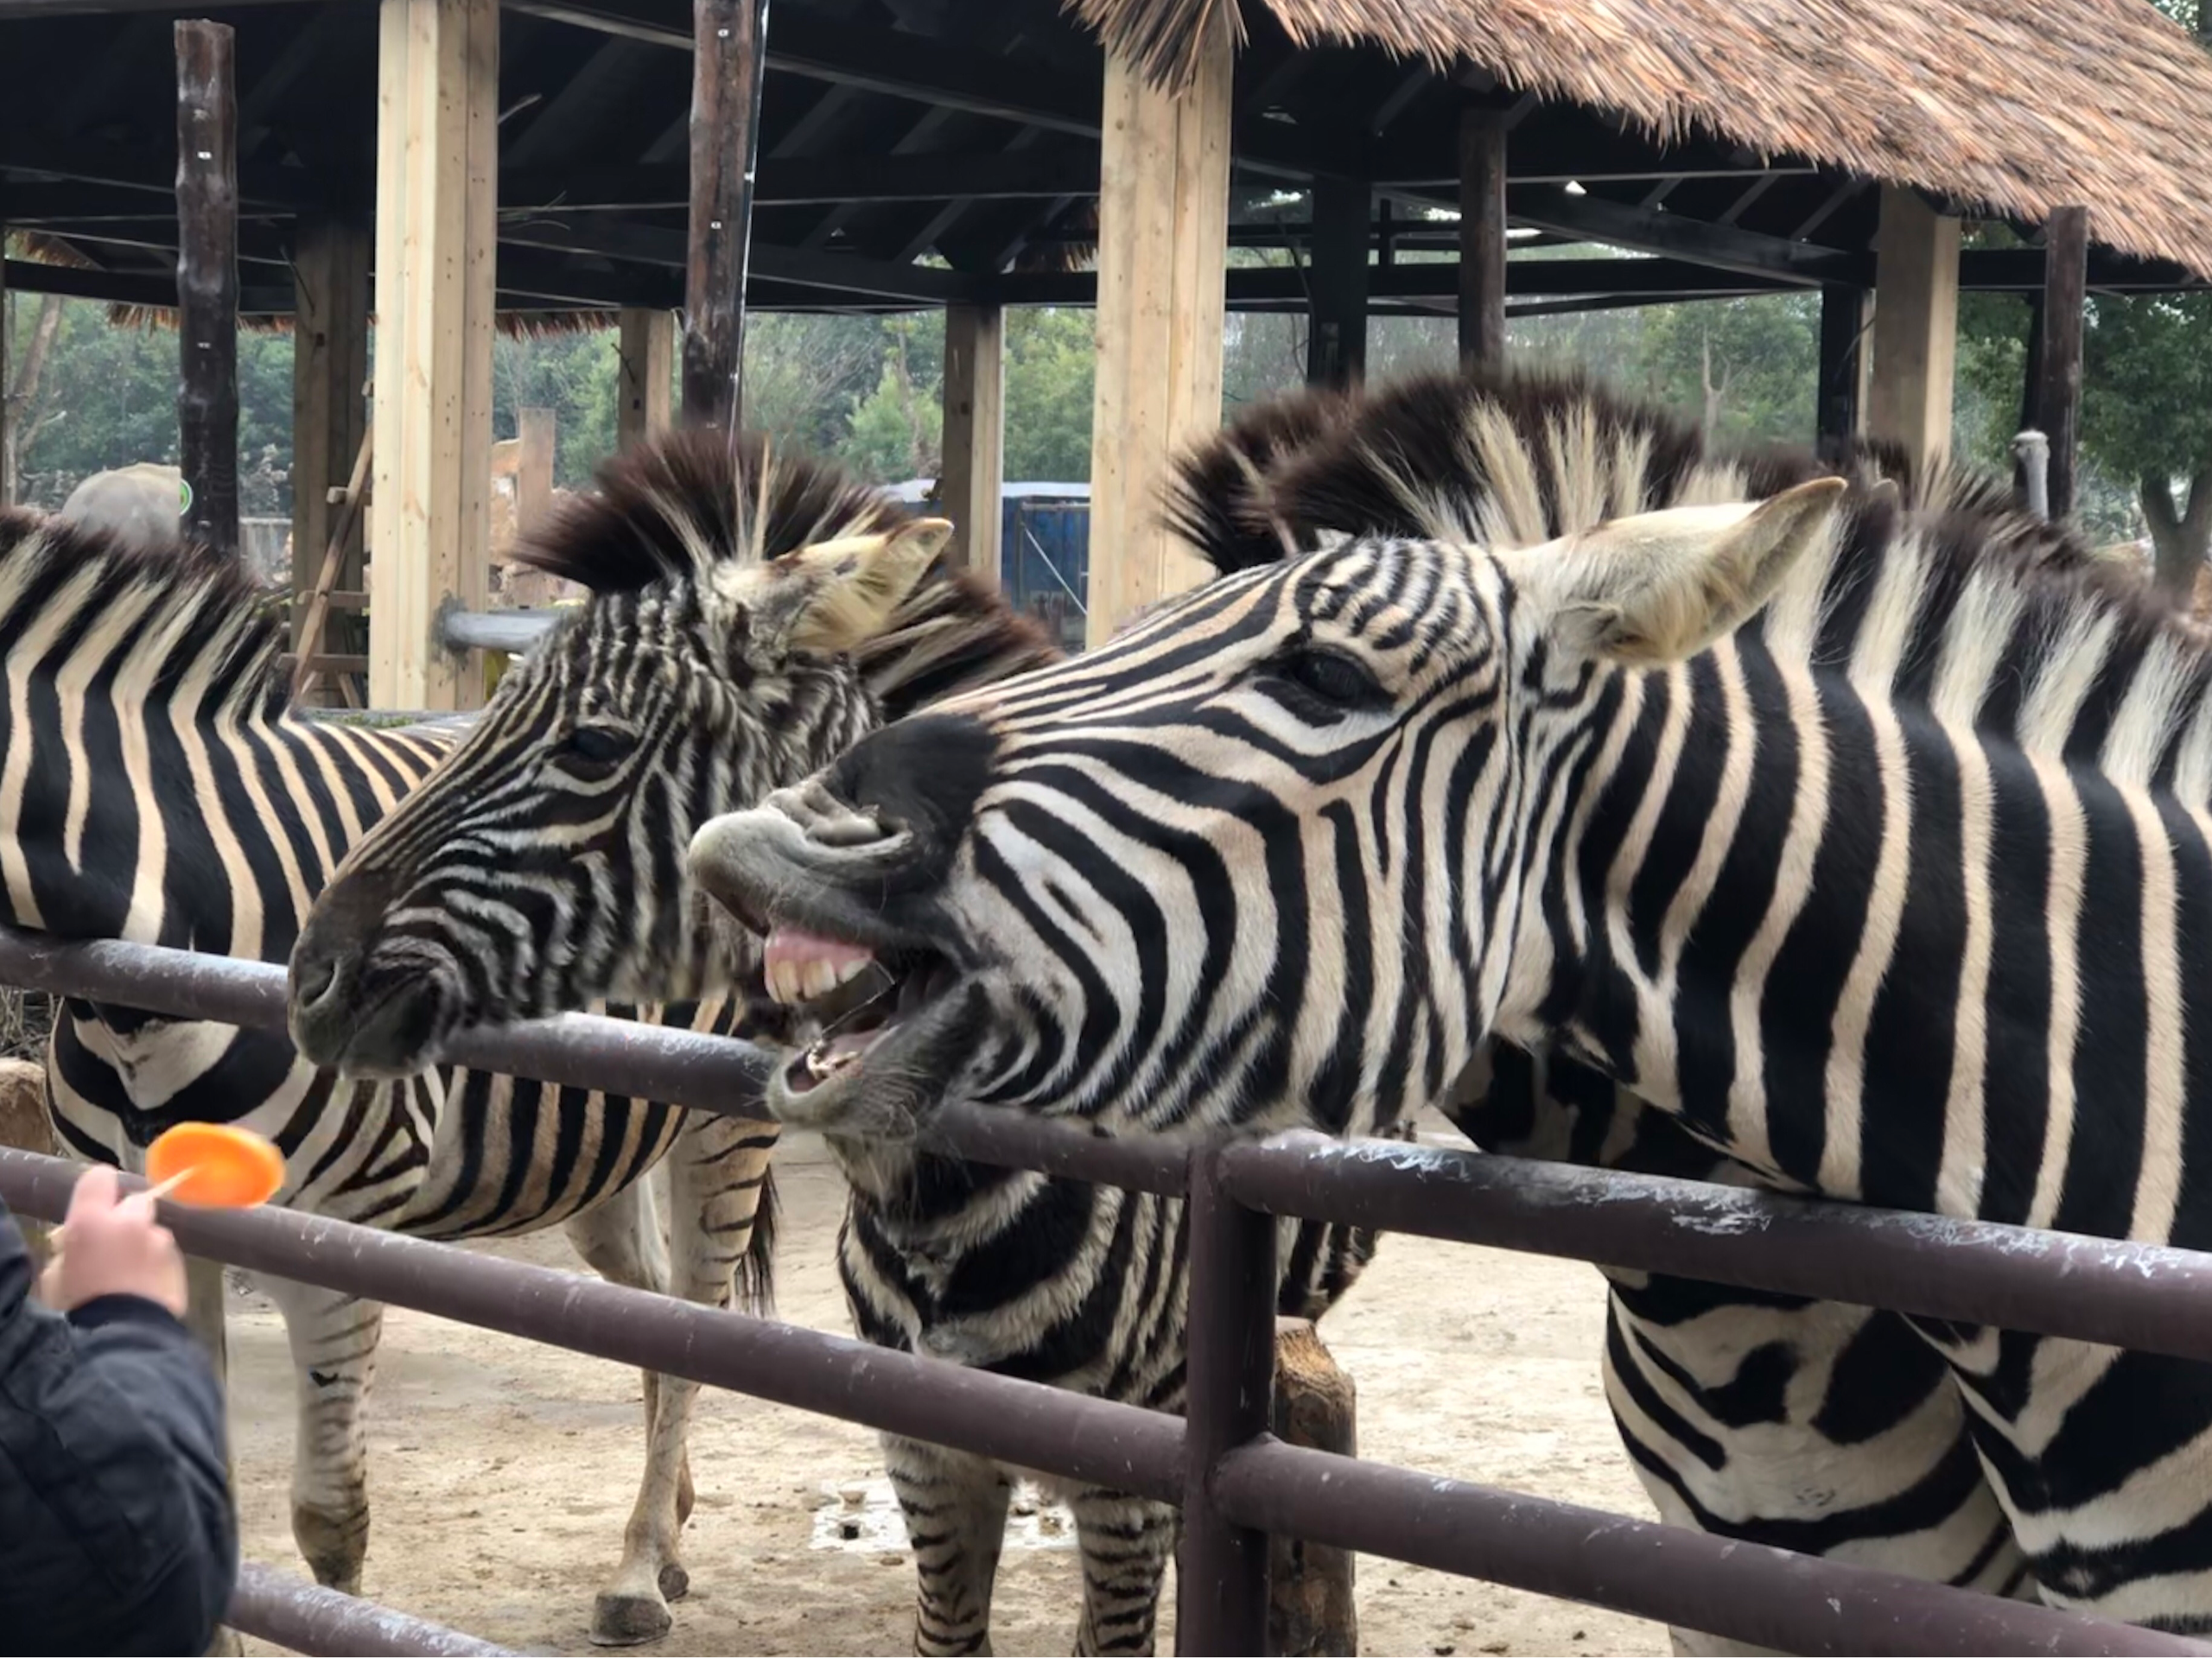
column 1269, row 852
column 540, row 867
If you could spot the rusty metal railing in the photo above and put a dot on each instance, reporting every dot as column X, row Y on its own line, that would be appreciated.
column 1234, row 1484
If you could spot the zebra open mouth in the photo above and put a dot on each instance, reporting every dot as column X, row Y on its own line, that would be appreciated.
column 859, row 997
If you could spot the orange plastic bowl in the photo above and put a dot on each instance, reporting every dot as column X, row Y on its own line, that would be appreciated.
column 224, row 1167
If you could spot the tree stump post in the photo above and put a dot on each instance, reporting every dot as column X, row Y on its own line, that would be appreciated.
column 23, row 1127
column 1309, row 1609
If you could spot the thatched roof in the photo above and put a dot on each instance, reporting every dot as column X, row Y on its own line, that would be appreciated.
column 2007, row 107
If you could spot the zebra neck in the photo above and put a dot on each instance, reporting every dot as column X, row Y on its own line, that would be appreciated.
column 1884, row 956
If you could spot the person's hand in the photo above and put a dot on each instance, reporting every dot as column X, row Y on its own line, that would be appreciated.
column 111, row 1245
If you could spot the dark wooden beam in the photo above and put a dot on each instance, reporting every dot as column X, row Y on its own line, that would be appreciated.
column 1651, row 231
column 1482, row 238
column 149, row 170
column 208, row 280
column 1015, row 175
column 1660, row 280
column 1843, row 326
column 650, row 245
column 729, row 59
column 2058, row 374
column 1336, row 339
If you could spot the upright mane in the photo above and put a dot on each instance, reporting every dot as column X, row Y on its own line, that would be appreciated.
column 679, row 507
column 180, row 611
column 1922, row 562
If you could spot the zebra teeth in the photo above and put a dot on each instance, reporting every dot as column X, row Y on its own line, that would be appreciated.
column 801, row 966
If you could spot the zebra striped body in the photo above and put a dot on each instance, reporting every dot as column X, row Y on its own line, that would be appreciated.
column 156, row 787
column 464, row 908
column 1298, row 845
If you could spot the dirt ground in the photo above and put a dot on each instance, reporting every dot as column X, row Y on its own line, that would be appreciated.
column 502, row 1472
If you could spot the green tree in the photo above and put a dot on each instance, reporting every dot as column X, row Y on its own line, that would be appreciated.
column 1050, row 377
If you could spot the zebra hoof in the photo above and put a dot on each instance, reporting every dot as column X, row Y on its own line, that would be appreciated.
column 675, row 1582
column 628, row 1620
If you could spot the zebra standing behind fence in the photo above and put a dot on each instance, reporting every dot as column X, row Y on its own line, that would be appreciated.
column 155, row 786
column 543, row 865
column 1731, row 1407
column 1877, row 856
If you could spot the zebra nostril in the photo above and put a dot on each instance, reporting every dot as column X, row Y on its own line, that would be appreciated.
column 312, row 981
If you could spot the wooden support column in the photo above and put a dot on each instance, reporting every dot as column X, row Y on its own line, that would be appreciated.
column 330, row 415
column 646, row 388
column 1163, row 243
column 1335, row 336
column 207, row 281
column 730, row 58
column 1311, row 1612
column 538, row 432
column 1841, row 410
column 1915, row 325
column 2055, row 369
column 1482, row 238
column 974, row 433
column 429, row 506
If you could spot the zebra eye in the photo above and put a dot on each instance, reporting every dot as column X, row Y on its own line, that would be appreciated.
column 1331, row 679
column 590, row 753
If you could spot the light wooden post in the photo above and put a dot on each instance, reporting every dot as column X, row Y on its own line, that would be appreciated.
column 645, row 371
column 330, row 413
column 430, row 507
column 1483, row 240
column 207, row 281
column 974, row 433
column 1163, row 239
column 1916, row 326
column 534, row 469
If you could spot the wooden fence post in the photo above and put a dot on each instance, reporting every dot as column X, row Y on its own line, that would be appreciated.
column 1482, row 238
column 728, row 61
column 1310, row 1608
column 207, row 281
column 974, row 433
column 1163, row 243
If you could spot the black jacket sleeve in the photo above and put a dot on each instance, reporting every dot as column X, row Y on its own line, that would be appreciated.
column 117, row 1531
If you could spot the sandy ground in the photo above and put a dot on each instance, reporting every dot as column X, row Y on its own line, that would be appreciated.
column 502, row 1472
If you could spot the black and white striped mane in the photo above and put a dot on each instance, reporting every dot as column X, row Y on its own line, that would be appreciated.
column 190, row 607
column 682, row 506
column 1515, row 458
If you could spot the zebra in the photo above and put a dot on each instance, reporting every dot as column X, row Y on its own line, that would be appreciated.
column 541, row 864
column 1912, row 1499
column 157, row 786
column 1791, row 817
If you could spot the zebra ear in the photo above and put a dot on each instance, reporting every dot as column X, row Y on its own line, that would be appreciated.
column 1660, row 586
column 835, row 596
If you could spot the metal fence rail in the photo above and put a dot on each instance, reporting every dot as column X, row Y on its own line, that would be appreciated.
column 1234, row 1482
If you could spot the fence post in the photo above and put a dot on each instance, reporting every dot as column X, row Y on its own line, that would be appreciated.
column 1311, row 1610
column 1221, row 1575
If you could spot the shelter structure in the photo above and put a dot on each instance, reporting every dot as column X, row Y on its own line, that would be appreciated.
column 463, row 164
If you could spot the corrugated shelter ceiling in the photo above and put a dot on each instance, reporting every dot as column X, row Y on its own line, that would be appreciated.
column 2013, row 107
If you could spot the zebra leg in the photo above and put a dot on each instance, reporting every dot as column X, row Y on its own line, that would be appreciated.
column 334, row 1338
column 955, row 1505
column 717, row 1176
column 1126, row 1542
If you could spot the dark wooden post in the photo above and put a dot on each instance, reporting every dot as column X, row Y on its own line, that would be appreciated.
column 728, row 61
column 1311, row 1613
column 1482, row 238
column 1843, row 323
column 2057, row 366
column 1336, row 339
column 207, row 281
